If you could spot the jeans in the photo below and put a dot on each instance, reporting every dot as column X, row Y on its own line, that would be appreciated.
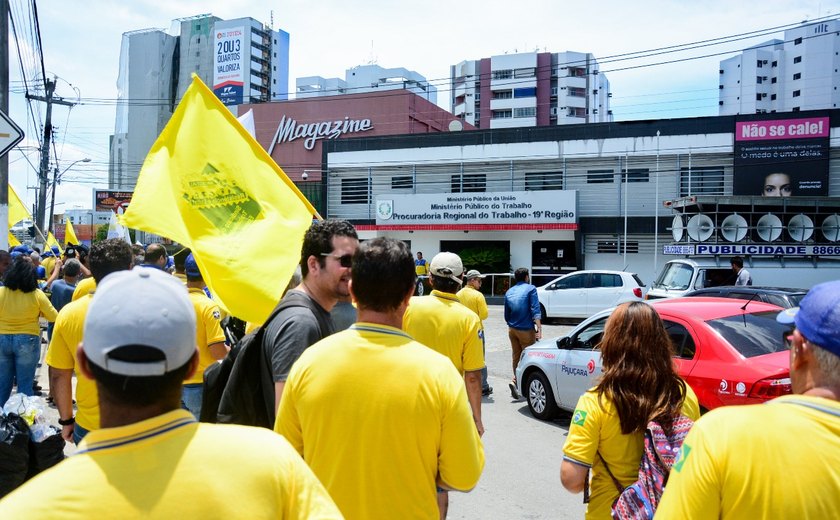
column 484, row 385
column 19, row 355
column 191, row 399
column 78, row 433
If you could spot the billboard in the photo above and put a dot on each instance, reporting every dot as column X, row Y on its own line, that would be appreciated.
column 781, row 156
column 229, row 64
column 110, row 200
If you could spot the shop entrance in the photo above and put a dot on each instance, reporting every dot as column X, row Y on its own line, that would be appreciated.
column 552, row 258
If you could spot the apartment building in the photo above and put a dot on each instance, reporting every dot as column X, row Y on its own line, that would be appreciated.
column 366, row 78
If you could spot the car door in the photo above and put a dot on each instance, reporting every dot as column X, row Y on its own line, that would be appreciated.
column 580, row 364
column 603, row 291
column 567, row 296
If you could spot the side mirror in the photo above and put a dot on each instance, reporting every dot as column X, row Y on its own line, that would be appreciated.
column 564, row 342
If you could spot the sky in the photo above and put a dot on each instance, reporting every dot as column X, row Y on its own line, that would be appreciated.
column 81, row 45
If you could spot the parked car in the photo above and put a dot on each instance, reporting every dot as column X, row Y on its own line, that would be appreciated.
column 583, row 293
column 782, row 296
column 729, row 354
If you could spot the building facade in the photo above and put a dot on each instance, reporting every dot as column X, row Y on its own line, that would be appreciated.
column 530, row 89
column 797, row 73
column 366, row 78
column 242, row 60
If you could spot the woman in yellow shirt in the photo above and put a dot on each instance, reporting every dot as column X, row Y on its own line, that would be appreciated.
column 640, row 384
column 21, row 303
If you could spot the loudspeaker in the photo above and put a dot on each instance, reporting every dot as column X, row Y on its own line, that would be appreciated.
column 677, row 228
column 700, row 227
column 734, row 228
column 831, row 228
column 769, row 228
column 800, row 227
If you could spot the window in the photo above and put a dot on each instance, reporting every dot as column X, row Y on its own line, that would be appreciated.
column 775, row 64
column 604, row 280
column 772, row 80
column 503, row 74
column 701, row 180
column 402, row 183
column 772, row 97
column 636, row 175
column 574, row 281
column 525, row 92
column 577, row 72
column 796, row 76
column 758, row 79
column 577, row 112
column 758, row 97
column 600, row 176
column 721, row 71
column 469, row 183
column 794, row 109
column 752, row 334
column 796, row 93
column 577, row 92
column 524, row 73
column 502, row 94
column 355, row 190
column 501, row 114
column 797, row 59
column 758, row 64
column 198, row 40
column 615, row 246
column 720, row 87
column 681, row 339
column 525, row 112
column 797, row 41
column 537, row 181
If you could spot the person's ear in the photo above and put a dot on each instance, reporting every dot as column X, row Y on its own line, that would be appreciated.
column 193, row 365
column 83, row 362
column 313, row 263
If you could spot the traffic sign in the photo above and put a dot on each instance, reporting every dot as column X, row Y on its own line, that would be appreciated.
column 10, row 134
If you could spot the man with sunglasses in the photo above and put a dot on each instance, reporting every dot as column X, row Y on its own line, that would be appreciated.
column 773, row 460
column 326, row 257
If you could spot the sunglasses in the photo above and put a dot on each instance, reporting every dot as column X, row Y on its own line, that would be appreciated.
column 343, row 260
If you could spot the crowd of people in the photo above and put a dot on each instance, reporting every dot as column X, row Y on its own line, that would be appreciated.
column 378, row 406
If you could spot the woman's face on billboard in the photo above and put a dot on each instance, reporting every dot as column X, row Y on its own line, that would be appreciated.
column 777, row 185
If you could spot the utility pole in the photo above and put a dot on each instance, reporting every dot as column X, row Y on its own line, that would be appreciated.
column 44, row 170
column 4, row 106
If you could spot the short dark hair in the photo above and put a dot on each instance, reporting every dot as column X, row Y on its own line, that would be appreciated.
column 72, row 267
column 21, row 276
column 179, row 258
column 318, row 240
column 737, row 262
column 136, row 390
column 198, row 278
column 520, row 274
column 154, row 253
column 109, row 256
column 444, row 284
column 382, row 274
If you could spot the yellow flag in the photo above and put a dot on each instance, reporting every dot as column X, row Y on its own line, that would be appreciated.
column 17, row 211
column 69, row 233
column 210, row 186
column 13, row 241
column 51, row 241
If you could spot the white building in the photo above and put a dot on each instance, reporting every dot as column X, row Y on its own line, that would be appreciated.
column 243, row 60
column 367, row 78
column 530, row 89
column 797, row 73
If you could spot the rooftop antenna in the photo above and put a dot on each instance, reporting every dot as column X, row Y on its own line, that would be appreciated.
column 271, row 19
column 372, row 60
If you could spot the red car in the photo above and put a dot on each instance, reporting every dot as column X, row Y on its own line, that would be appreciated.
column 729, row 351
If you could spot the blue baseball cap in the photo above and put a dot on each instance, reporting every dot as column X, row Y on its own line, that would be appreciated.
column 818, row 316
column 191, row 266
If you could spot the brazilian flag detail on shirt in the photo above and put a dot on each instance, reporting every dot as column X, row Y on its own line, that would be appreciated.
column 579, row 418
column 681, row 456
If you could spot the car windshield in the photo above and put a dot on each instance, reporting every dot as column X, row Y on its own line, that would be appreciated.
column 753, row 334
column 675, row 276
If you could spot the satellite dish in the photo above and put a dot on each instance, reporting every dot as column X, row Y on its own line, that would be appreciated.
column 831, row 228
column 677, row 228
column 734, row 228
column 800, row 227
column 700, row 227
column 455, row 126
column 769, row 228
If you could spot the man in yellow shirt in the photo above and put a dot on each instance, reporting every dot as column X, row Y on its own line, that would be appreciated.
column 421, row 269
column 151, row 459
column 380, row 418
column 105, row 257
column 774, row 460
column 473, row 299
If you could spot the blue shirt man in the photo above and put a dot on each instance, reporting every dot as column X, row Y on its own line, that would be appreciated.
column 61, row 291
column 522, row 314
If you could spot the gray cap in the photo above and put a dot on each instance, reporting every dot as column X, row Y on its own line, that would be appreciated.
column 473, row 273
column 140, row 307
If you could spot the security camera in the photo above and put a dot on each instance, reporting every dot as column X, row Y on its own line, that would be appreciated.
column 304, row 176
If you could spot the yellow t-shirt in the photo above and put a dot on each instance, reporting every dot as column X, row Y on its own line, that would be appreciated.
column 48, row 264
column 66, row 337
column 84, row 287
column 170, row 466
column 19, row 311
column 421, row 267
column 775, row 460
column 378, row 416
column 474, row 301
column 440, row 322
column 595, row 428
column 208, row 331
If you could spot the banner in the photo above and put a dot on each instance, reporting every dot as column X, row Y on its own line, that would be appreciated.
column 110, row 200
column 230, row 65
column 781, row 155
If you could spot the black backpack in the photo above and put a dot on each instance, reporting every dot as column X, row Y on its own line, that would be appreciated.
column 240, row 388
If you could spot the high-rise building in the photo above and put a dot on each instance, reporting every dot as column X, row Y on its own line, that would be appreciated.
column 366, row 78
column 530, row 89
column 789, row 75
column 242, row 60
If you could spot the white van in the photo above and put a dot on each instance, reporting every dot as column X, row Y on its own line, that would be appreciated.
column 680, row 276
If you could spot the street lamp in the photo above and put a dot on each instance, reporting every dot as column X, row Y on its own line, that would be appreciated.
column 56, row 179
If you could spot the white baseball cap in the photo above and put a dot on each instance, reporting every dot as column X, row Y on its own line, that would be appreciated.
column 144, row 307
column 447, row 265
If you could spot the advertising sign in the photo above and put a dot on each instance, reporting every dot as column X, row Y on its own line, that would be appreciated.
column 110, row 200
column 509, row 207
column 752, row 250
column 781, row 157
column 229, row 65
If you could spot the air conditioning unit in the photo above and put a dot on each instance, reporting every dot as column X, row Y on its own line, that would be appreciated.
column 763, row 94
column 595, row 92
column 594, row 110
column 764, row 62
column 764, row 78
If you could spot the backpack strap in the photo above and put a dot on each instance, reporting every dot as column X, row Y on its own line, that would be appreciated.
column 298, row 299
column 617, row 484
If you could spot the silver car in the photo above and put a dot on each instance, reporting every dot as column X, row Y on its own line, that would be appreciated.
column 553, row 373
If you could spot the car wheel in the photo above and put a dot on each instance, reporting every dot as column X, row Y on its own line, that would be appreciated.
column 540, row 397
column 544, row 314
